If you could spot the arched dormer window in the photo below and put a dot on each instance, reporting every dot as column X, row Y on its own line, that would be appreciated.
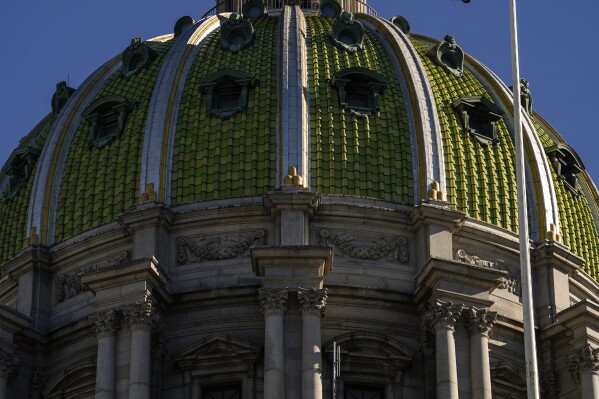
column 567, row 165
column 107, row 118
column 227, row 92
column 479, row 118
column 359, row 90
column 137, row 57
column 19, row 167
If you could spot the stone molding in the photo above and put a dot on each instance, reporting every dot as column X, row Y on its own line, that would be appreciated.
column 9, row 364
column 140, row 315
column 481, row 321
column 584, row 360
column 190, row 250
column 104, row 324
column 273, row 300
column 443, row 314
column 312, row 300
column 366, row 247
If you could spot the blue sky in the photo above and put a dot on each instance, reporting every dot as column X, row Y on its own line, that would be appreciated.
column 49, row 41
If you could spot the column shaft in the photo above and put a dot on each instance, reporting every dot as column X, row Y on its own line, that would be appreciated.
column 447, row 372
column 3, row 387
column 139, row 366
column 589, row 382
column 480, row 369
column 106, row 367
column 311, row 356
column 274, row 356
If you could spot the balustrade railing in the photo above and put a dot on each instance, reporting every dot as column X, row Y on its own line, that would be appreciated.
column 312, row 5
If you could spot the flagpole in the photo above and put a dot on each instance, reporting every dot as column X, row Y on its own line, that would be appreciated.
column 530, row 348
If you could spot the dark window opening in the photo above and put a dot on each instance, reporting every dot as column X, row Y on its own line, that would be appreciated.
column 226, row 92
column 222, row 392
column 479, row 118
column 567, row 165
column 363, row 392
column 359, row 90
column 226, row 97
column 358, row 95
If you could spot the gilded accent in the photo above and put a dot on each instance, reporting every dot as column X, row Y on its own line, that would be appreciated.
column 292, row 179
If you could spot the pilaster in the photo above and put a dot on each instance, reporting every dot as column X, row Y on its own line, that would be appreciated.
column 105, row 325
column 292, row 207
column 480, row 322
column 9, row 367
column 149, row 224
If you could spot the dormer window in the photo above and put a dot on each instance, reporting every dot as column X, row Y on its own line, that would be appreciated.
column 19, row 167
column 567, row 165
column 479, row 118
column 106, row 118
column 137, row 57
column 347, row 33
column 359, row 90
column 227, row 92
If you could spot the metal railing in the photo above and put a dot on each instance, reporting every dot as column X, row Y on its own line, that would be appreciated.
column 312, row 5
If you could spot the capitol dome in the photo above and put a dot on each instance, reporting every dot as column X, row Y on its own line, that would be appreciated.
column 161, row 227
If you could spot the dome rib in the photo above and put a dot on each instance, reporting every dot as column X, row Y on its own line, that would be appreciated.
column 164, row 107
column 44, row 194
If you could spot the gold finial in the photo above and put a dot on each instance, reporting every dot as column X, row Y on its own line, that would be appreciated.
column 149, row 195
column 435, row 192
column 552, row 234
column 292, row 179
column 33, row 238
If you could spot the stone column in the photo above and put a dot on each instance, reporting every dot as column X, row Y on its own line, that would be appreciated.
column 105, row 325
column 480, row 322
column 272, row 302
column 443, row 317
column 584, row 364
column 9, row 366
column 311, row 303
column 140, row 319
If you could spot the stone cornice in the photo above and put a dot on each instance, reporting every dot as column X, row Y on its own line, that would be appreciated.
column 33, row 257
column 307, row 261
column 303, row 201
column 578, row 320
column 558, row 255
column 147, row 215
column 438, row 213
column 273, row 300
column 448, row 278
column 312, row 300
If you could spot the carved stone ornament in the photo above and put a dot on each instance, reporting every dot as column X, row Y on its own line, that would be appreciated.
column 216, row 247
column 474, row 260
column 140, row 315
column 273, row 300
column 481, row 321
column 236, row 33
column 363, row 247
column 525, row 96
column 69, row 285
column 104, row 324
column 443, row 314
column 137, row 57
column 511, row 283
column 61, row 96
column 448, row 55
column 311, row 299
column 584, row 360
column 347, row 33
column 9, row 364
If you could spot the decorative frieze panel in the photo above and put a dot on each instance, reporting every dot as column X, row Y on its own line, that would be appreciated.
column 69, row 284
column 394, row 248
column 190, row 250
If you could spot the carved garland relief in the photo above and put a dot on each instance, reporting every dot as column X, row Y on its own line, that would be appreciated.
column 365, row 247
column 228, row 246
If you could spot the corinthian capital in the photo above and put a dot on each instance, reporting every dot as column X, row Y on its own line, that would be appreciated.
column 444, row 314
column 481, row 321
column 9, row 364
column 273, row 300
column 584, row 360
column 104, row 324
column 140, row 315
column 311, row 299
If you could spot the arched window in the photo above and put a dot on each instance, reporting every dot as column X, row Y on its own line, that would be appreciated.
column 359, row 90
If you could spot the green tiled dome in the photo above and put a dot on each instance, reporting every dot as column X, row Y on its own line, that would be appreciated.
column 211, row 119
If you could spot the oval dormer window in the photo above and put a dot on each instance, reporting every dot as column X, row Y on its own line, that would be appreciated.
column 330, row 9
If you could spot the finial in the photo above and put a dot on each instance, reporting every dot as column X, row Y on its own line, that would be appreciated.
column 292, row 179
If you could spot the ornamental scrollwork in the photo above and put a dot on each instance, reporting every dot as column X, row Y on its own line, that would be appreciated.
column 443, row 314
column 9, row 364
column 216, row 247
column 141, row 315
column 273, row 300
column 69, row 285
column 585, row 359
column 364, row 247
column 311, row 299
column 474, row 260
